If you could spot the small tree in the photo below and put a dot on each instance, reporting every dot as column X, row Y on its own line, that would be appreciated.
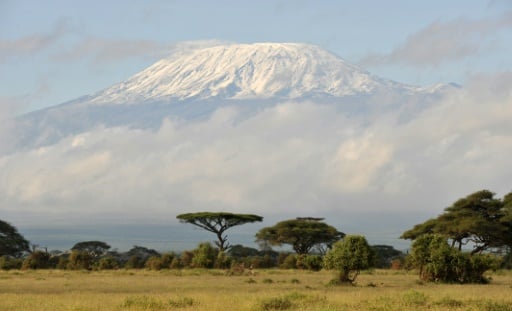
column 218, row 223
column 12, row 243
column 302, row 234
column 349, row 257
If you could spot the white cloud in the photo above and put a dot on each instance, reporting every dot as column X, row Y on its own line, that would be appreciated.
column 292, row 159
column 441, row 42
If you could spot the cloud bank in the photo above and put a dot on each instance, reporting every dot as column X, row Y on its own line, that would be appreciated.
column 294, row 159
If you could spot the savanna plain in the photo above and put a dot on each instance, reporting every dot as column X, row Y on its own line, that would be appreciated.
column 193, row 289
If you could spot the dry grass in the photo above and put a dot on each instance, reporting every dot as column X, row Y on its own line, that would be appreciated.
column 267, row 290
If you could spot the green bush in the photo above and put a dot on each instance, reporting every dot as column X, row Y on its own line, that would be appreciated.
column 349, row 256
column 313, row 262
column 204, row 256
column 8, row 263
column 437, row 261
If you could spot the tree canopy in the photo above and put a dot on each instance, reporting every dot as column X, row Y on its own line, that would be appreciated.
column 218, row 223
column 349, row 256
column 479, row 219
column 12, row 243
column 94, row 248
column 302, row 234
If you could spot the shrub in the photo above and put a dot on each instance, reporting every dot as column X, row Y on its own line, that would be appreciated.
column 135, row 262
column 313, row 262
column 79, row 260
column 108, row 263
column 36, row 260
column 63, row 262
column 290, row 262
column 204, row 256
column 154, row 263
column 186, row 259
column 167, row 259
column 175, row 263
column 223, row 261
column 437, row 261
column 8, row 263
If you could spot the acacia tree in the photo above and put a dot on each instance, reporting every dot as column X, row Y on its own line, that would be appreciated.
column 12, row 243
column 349, row 256
column 93, row 248
column 301, row 233
column 218, row 223
column 479, row 219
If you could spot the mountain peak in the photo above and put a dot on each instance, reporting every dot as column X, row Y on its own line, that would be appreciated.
column 245, row 71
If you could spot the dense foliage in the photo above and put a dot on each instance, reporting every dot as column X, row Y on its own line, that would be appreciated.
column 436, row 260
column 12, row 243
column 349, row 256
column 94, row 248
column 303, row 234
column 479, row 220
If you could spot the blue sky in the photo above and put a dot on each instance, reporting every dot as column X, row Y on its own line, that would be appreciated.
column 55, row 51
column 398, row 173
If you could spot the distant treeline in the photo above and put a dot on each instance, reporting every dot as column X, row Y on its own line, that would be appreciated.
column 238, row 258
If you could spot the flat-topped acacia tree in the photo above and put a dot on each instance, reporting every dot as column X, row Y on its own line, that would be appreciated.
column 218, row 222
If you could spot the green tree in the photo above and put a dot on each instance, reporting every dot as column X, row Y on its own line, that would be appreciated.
column 218, row 223
column 437, row 261
column 479, row 219
column 302, row 234
column 12, row 243
column 94, row 248
column 349, row 256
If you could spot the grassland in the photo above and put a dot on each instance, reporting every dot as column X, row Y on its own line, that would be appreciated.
column 265, row 290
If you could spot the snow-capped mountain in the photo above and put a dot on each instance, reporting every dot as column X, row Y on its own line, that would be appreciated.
column 247, row 71
column 192, row 84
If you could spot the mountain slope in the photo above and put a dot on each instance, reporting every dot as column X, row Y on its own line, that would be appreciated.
column 247, row 71
column 192, row 85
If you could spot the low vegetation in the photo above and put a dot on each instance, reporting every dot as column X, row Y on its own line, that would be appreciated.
column 328, row 270
column 213, row 289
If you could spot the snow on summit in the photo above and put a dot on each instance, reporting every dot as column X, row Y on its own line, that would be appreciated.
column 246, row 71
